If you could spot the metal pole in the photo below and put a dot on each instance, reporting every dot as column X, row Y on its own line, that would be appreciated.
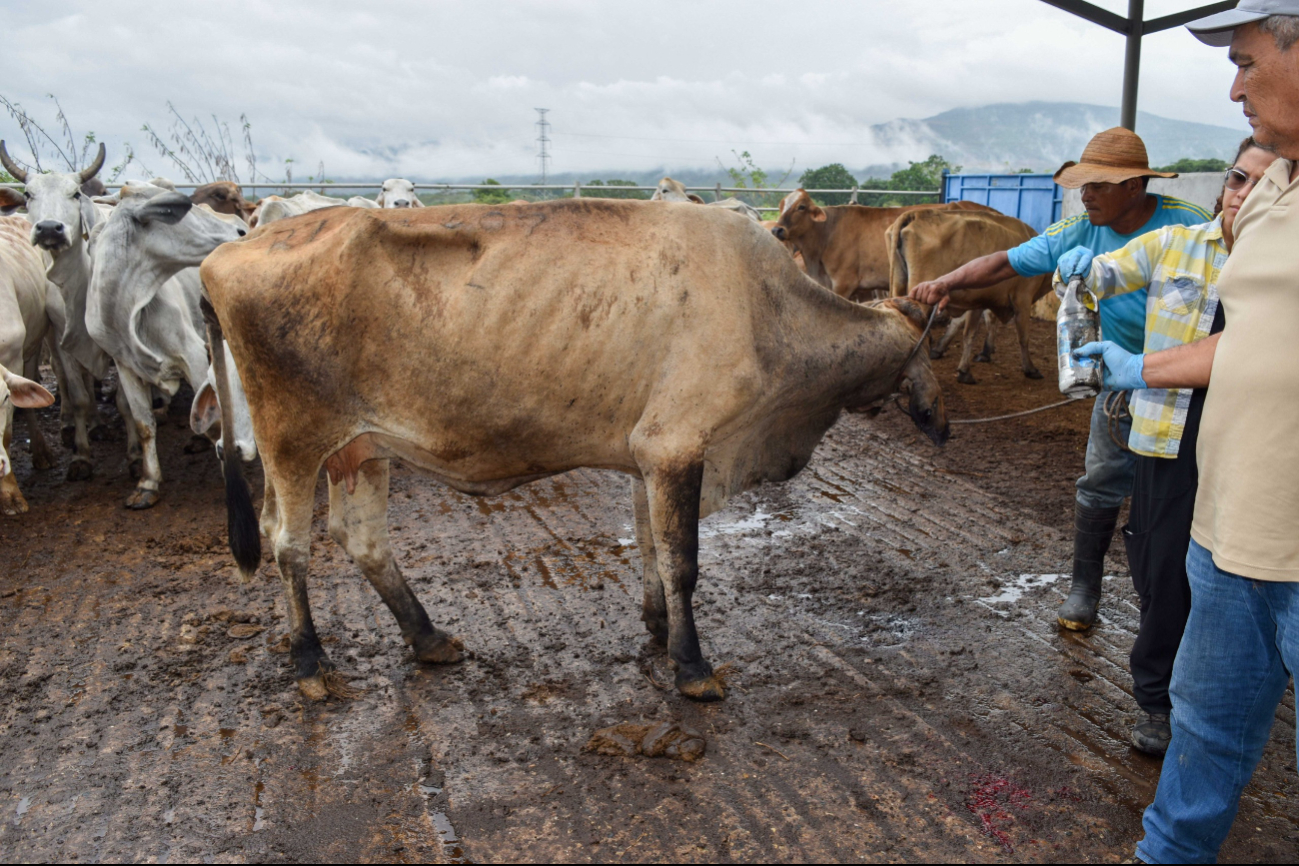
column 1132, row 63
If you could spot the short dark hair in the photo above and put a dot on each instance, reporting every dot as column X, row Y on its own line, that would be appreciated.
column 1284, row 29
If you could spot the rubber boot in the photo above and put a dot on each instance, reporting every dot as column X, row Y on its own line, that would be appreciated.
column 1093, row 531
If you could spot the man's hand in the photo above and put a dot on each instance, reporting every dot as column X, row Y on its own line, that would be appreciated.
column 1122, row 369
column 932, row 292
column 1075, row 263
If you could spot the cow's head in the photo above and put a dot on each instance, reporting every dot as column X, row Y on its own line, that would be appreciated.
column 916, row 378
column 58, row 210
column 398, row 192
column 223, row 196
column 674, row 190
column 798, row 215
column 205, row 413
column 17, row 393
column 159, row 231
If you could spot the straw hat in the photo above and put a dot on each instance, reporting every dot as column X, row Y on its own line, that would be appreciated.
column 1112, row 156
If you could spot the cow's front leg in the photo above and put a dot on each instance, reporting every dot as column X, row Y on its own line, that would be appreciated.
column 989, row 346
column 969, row 332
column 77, row 395
column 134, row 453
column 673, row 495
column 139, row 398
column 1022, row 316
column 654, row 610
column 359, row 522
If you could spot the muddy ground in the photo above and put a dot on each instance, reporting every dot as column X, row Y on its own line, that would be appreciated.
column 901, row 691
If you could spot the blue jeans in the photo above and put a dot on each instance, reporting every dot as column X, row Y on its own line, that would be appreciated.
column 1109, row 469
column 1240, row 646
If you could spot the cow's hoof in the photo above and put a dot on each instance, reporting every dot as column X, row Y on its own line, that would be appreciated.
column 11, row 506
column 68, row 436
column 42, row 461
column 935, row 354
column 983, row 358
column 198, row 445
column 313, row 688
column 709, row 688
column 1032, row 374
column 964, row 377
column 80, row 469
column 136, row 468
column 439, row 649
column 142, row 499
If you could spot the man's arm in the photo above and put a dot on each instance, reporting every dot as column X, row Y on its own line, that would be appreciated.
column 984, row 271
column 1186, row 366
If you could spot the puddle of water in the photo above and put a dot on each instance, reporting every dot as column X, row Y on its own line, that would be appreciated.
column 1015, row 591
column 23, row 805
column 259, row 822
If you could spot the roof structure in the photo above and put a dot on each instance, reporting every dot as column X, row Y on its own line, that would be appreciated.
column 1133, row 28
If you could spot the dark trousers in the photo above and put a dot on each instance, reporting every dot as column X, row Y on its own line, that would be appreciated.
column 1157, row 536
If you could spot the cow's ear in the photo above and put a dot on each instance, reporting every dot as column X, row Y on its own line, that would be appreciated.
column 695, row 198
column 818, row 214
column 206, row 411
column 26, row 394
column 169, row 208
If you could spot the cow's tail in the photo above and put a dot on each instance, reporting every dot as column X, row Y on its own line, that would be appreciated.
column 241, row 519
column 899, row 271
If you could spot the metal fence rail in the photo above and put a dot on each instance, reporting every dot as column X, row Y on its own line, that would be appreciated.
column 577, row 189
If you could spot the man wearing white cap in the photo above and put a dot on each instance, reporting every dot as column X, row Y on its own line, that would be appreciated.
column 1241, row 644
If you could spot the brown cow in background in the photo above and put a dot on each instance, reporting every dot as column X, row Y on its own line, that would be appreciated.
column 843, row 245
column 224, row 196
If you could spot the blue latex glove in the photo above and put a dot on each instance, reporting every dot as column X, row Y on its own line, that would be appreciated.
column 1075, row 263
column 1122, row 369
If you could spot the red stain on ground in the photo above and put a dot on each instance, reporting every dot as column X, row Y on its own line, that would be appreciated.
column 994, row 801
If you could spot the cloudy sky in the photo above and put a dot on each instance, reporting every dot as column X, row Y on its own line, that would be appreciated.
column 441, row 90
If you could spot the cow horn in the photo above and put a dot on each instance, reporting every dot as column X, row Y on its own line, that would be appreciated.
column 10, row 165
column 93, row 169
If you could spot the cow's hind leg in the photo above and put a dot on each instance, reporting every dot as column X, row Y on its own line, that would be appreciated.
column 969, row 332
column 937, row 351
column 42, row 456
column 985, row 355
column 359, row 522
column 1022, row 316
column 654, row 610
column 672, row 492
column 291, row 540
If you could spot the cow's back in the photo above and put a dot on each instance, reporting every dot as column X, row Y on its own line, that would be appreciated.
column 513, row 318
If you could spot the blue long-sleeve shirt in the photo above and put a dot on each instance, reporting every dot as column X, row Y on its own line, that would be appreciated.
column 1123, row 318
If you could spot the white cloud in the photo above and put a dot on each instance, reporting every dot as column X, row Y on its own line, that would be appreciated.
column 443, row 90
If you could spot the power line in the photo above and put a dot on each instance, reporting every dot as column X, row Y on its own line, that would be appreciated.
column 543, row 142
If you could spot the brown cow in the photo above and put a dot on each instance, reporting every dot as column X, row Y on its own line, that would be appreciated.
column 224, row 196
column 10, row 200
column 493, row 345
column 926, row 244
column 843, row 245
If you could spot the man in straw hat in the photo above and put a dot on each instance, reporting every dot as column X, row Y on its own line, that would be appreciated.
column 1241, row 644
column 1113, row 174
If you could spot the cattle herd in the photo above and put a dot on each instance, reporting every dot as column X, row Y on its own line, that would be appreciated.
column 695, row 349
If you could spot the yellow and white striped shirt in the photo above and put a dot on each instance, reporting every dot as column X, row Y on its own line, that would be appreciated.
column 1180, row 265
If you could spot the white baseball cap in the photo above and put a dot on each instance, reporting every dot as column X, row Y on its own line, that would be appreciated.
column 1216, row 30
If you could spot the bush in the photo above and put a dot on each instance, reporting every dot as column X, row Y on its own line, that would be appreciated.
column 492, row 196
column 1186, row 165
column 605, row 192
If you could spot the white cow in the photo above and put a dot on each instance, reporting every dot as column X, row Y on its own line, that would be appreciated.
column 273, row 207
column 675, row 190
column 397, row 192
column 143, row 304
column 62, row 218
column 24, row 324
column 362, row 201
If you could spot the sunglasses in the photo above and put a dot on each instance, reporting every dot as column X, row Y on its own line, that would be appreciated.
column 1237, row 179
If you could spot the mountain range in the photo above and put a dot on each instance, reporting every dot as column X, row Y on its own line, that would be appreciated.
column 1001, row 137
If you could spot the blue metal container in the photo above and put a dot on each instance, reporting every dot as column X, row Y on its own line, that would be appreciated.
column 1032, row 198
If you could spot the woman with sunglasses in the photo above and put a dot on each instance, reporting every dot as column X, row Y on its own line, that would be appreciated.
column 1180, row 265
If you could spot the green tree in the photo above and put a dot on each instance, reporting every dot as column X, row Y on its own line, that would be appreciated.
column 1186, row 165
column 925, row 175
column 615, row 193
column 492, row 196
column 746, row 174
column 833, row 176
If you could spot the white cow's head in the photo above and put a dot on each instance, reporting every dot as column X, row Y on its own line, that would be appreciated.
column 205, row 413
column 674, row 190
column 58, row 210
column 152, row 235
column 398, row 192
column 17, row 393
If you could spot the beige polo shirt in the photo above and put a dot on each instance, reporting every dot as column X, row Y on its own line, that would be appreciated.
column 1247, row 508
